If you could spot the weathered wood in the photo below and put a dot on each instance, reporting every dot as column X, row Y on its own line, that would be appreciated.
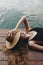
column 35, row 63
column 34, row 55
column 3, row 56
column 20, row 56
column 2, row 39
column 21, row 63
column 3, row 63
column 3, row 32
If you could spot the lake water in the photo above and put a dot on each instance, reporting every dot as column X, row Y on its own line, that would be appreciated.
column 12, row 10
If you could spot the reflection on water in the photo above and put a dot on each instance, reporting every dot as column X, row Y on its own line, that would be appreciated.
column 11, row 11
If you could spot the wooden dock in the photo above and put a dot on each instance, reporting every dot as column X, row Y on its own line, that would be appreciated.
column 20, row 55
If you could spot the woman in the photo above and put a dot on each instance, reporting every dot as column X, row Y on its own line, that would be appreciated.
column 35, row 35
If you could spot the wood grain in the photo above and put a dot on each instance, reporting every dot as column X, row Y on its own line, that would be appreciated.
column 3, row 62
column 20, row 55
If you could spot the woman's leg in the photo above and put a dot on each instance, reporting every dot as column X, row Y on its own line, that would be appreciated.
column 34, row 45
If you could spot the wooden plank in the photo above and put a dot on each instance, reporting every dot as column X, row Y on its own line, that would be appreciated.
column 29, row 63
column 2, row 39
column 22, row 63
column 22, row 57
column 34, row 55
column 3, row 62
column 35, row 63
column 3, row 32
column 3, row 56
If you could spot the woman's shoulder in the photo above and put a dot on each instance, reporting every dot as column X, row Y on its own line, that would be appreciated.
column 36, row 29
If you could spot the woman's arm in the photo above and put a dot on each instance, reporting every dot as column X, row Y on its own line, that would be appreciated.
column 34, row 45
column 23, row 20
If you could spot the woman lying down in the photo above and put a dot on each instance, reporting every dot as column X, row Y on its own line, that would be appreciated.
column 34, row 35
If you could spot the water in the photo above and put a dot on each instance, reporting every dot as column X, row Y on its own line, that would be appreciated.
column 11, row 11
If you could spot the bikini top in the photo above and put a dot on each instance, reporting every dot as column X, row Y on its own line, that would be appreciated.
column 38, row 36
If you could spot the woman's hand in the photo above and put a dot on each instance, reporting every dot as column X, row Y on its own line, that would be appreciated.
column 10, row 35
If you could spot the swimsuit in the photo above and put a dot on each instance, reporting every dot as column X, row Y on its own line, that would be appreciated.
column 39, row 35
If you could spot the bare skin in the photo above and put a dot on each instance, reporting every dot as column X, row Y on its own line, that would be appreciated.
column 24, row 34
